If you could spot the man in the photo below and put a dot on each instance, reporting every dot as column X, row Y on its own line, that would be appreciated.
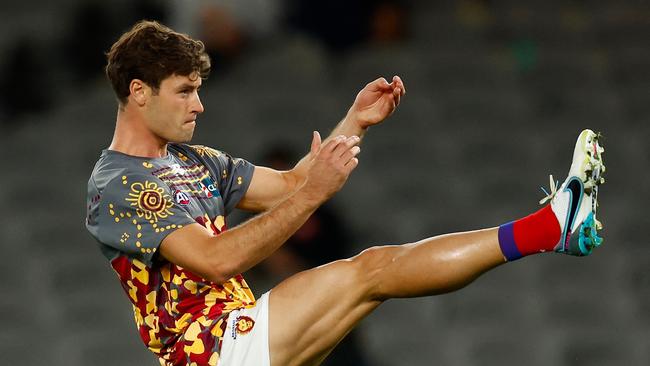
column 157, row 206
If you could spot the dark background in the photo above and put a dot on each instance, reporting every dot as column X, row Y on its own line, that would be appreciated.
column 497, row 93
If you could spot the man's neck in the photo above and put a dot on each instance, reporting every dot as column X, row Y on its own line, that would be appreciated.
column 132, row 137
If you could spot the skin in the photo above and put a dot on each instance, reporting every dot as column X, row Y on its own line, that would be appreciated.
column 305, row 321
column 151, row 118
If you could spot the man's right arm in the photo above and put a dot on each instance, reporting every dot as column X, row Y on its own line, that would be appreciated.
column 218, row 258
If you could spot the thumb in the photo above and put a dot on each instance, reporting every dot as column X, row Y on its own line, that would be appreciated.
column 315, row 143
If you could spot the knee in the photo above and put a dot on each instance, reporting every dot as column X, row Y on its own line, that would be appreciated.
column 369, row 267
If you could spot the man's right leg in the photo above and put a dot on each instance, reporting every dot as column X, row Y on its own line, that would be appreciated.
column 312, row 311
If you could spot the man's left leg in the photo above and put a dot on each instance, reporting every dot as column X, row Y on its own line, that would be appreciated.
column 312, row 311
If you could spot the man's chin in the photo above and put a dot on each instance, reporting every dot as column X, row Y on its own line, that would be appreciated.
column 183, row 138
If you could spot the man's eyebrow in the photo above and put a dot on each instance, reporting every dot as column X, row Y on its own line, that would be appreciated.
column 186, row 86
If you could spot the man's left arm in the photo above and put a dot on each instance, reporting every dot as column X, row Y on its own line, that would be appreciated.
column 372, row 105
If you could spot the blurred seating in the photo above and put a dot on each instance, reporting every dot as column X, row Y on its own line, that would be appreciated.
column 496, row 93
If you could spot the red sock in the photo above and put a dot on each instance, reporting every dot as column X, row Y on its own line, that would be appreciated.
column 536, row 233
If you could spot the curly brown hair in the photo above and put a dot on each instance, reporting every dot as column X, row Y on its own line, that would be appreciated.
column 152, row 52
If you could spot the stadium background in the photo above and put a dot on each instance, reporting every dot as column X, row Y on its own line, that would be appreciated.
column 497, row 92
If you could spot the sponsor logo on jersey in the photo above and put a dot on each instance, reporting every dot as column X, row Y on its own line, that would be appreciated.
column 181, row 198
column 177, row 169
column 209, row 188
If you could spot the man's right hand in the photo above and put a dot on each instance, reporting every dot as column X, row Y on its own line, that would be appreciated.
column 330, row 166
column 218, row 258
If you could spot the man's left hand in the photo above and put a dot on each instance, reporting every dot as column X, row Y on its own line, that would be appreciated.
column 376, row 101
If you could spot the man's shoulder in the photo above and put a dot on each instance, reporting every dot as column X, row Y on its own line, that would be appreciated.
column 113, row 165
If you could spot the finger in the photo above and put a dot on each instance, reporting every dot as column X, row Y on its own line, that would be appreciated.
column 315, row 143
column 332, row 144
column 378, row 84
column 346, row 145
column 349, row 167
column 399, row 83
column 397, row 94
column 353, row 152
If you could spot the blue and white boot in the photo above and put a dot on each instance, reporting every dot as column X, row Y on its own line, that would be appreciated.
column 576, row 201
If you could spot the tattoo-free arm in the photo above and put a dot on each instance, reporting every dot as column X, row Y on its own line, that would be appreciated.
column 374, row 103
column 218, row 258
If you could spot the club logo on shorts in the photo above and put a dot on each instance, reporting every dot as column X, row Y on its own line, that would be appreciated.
column 243, row 325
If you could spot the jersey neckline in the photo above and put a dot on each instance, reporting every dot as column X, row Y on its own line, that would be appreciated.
column 107, row 152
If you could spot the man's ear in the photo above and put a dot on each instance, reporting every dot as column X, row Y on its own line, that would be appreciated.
column 140, row 91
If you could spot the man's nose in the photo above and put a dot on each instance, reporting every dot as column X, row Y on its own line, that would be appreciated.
column 197, row 107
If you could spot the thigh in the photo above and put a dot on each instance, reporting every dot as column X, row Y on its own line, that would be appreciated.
column 312, row 311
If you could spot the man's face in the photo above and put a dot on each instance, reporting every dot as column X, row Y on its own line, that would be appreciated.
column 171, row 114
